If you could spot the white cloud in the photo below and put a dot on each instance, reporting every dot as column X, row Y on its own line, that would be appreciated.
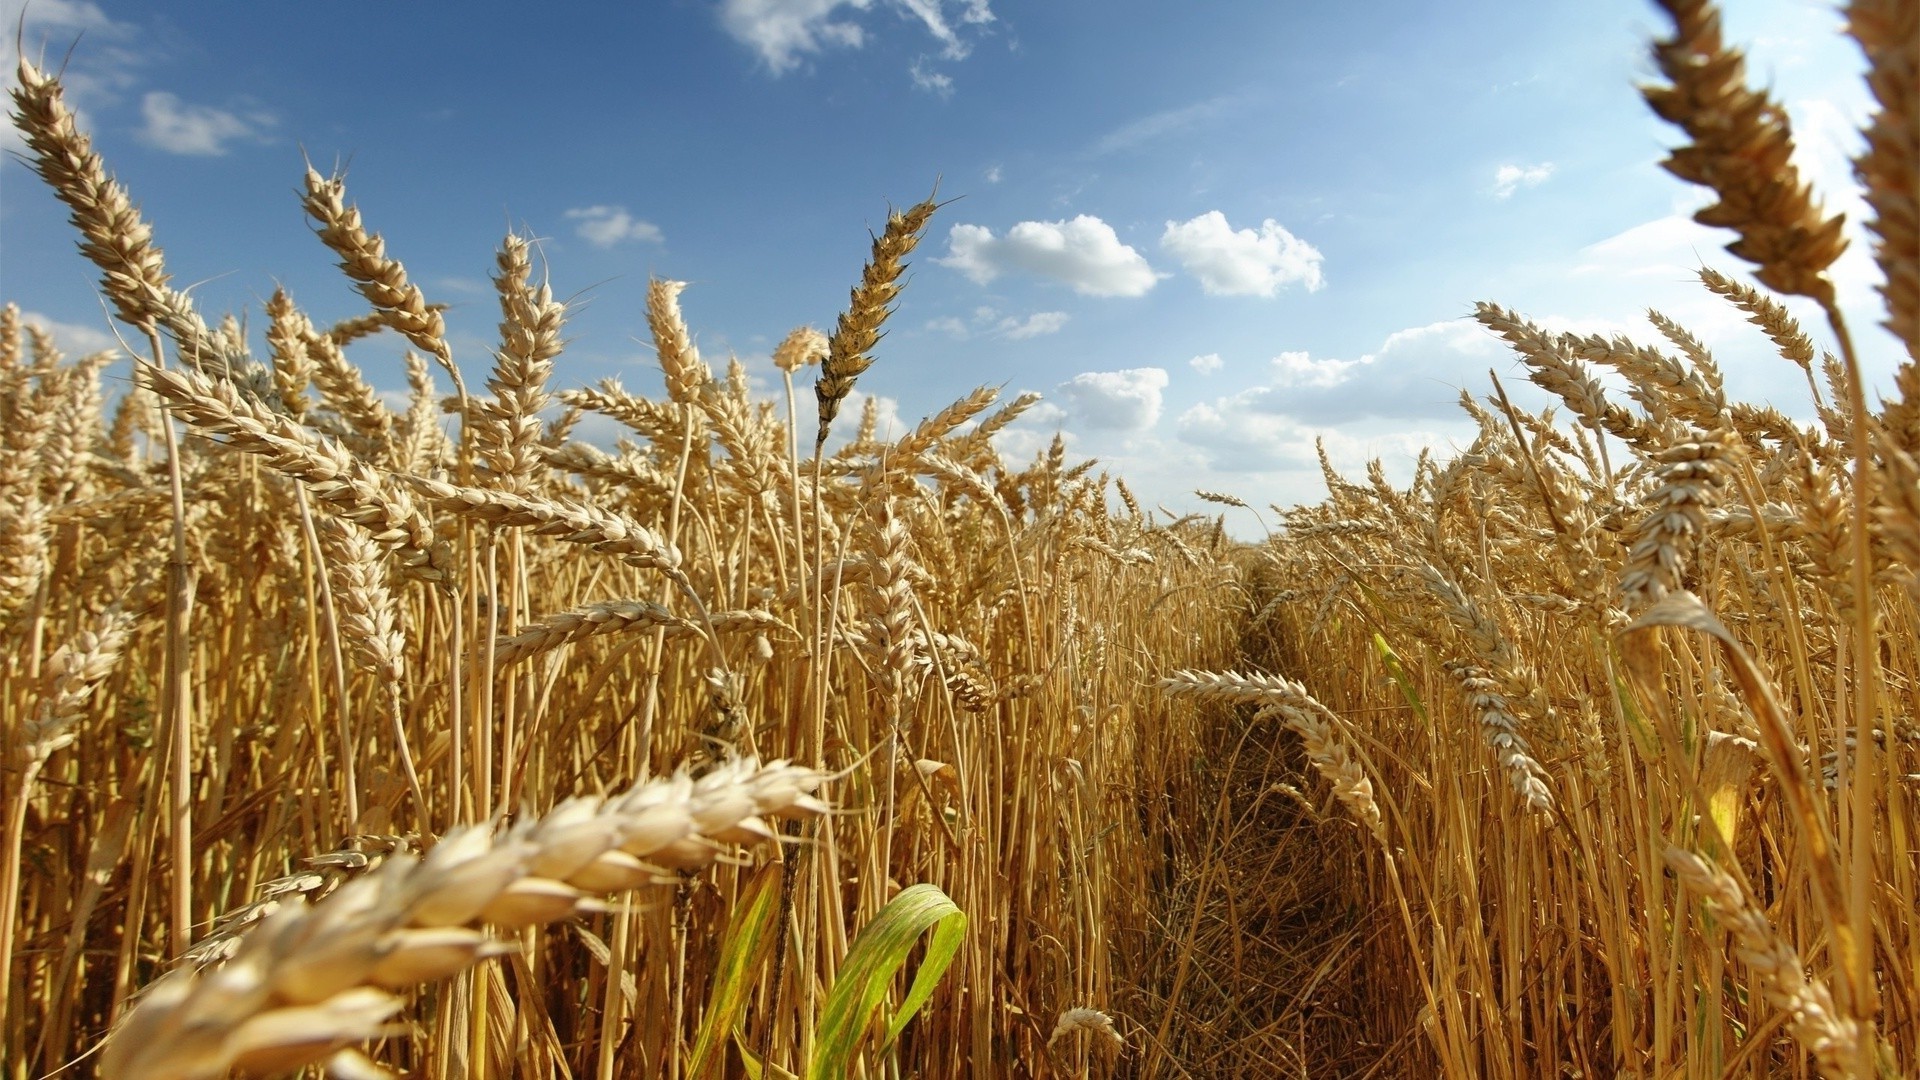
column 1242, row 262
column 1128, row 400
column 1300, row 369
column 179, row 128
column 1154, row 126
column 846, row 423
column 605, row 226
column 1508, row 179
column 1415, row 374
column 950, row 326
column 933, row 82
column 54, row 15
column 1207, row 364
column 989, row 322
column 993, row 174
column 1243, row 433
column 73, row 338
column 94, row 76
column 784, row 32
column 1035, row 325
column 1084, row 253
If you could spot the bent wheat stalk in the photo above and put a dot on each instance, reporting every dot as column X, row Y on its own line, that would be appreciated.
column 311, row 979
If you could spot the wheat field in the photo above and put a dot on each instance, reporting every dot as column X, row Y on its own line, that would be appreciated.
column 441, row 742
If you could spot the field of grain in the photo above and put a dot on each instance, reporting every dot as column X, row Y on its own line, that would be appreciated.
column 439, row 742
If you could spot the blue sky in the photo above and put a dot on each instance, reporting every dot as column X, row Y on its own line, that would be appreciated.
column 1208, row 233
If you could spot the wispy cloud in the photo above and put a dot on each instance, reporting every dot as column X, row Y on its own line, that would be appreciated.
column 785, row 32
column 1084, row 253
column 605, row 226
column 1038, row 324
column 1153, row 126
column 198, row 130
column 933, row 82
column 988, row 322
column 1242, row 262
column 1508, row 179
column 72, row 338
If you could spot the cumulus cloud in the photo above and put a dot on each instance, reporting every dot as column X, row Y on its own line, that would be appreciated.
column 1508, row 179
column 605, row 226
column 1128, row 400
column 199, row 130
column 1301, row 369
column 1085, row 253
column 1415, row 374
column 1207, row 364
column 1245, row 433
column 950, row 326
column 784, row 32
column 1242, row 262
column 993, row 174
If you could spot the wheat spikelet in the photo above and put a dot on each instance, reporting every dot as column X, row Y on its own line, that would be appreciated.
column 363, row 257
column 686, row 374
column 311, row 979
column 802, row 346
column 1742, row 148
column 859, row 327
column 347, row 393
column 1690, row 476
column 293, row 366
column 939, row 425
column 1224, row 499
column 1889, row 33
column 1309, row 719
column 1089, row 1021
column 334, row 476
column 115, row 237
column 619, row 617
column 1552, row 367
column 574, row 522
column 1832, row 1038
column 508, row 433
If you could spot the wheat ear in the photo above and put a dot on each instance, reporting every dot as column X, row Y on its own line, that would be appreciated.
column 334, row 476
column 115, row 237
column 1833, row 1039
column 1742, row 147
column 311, row 979
column 859, row 327
column 1312, row 721
column 1889, row 33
